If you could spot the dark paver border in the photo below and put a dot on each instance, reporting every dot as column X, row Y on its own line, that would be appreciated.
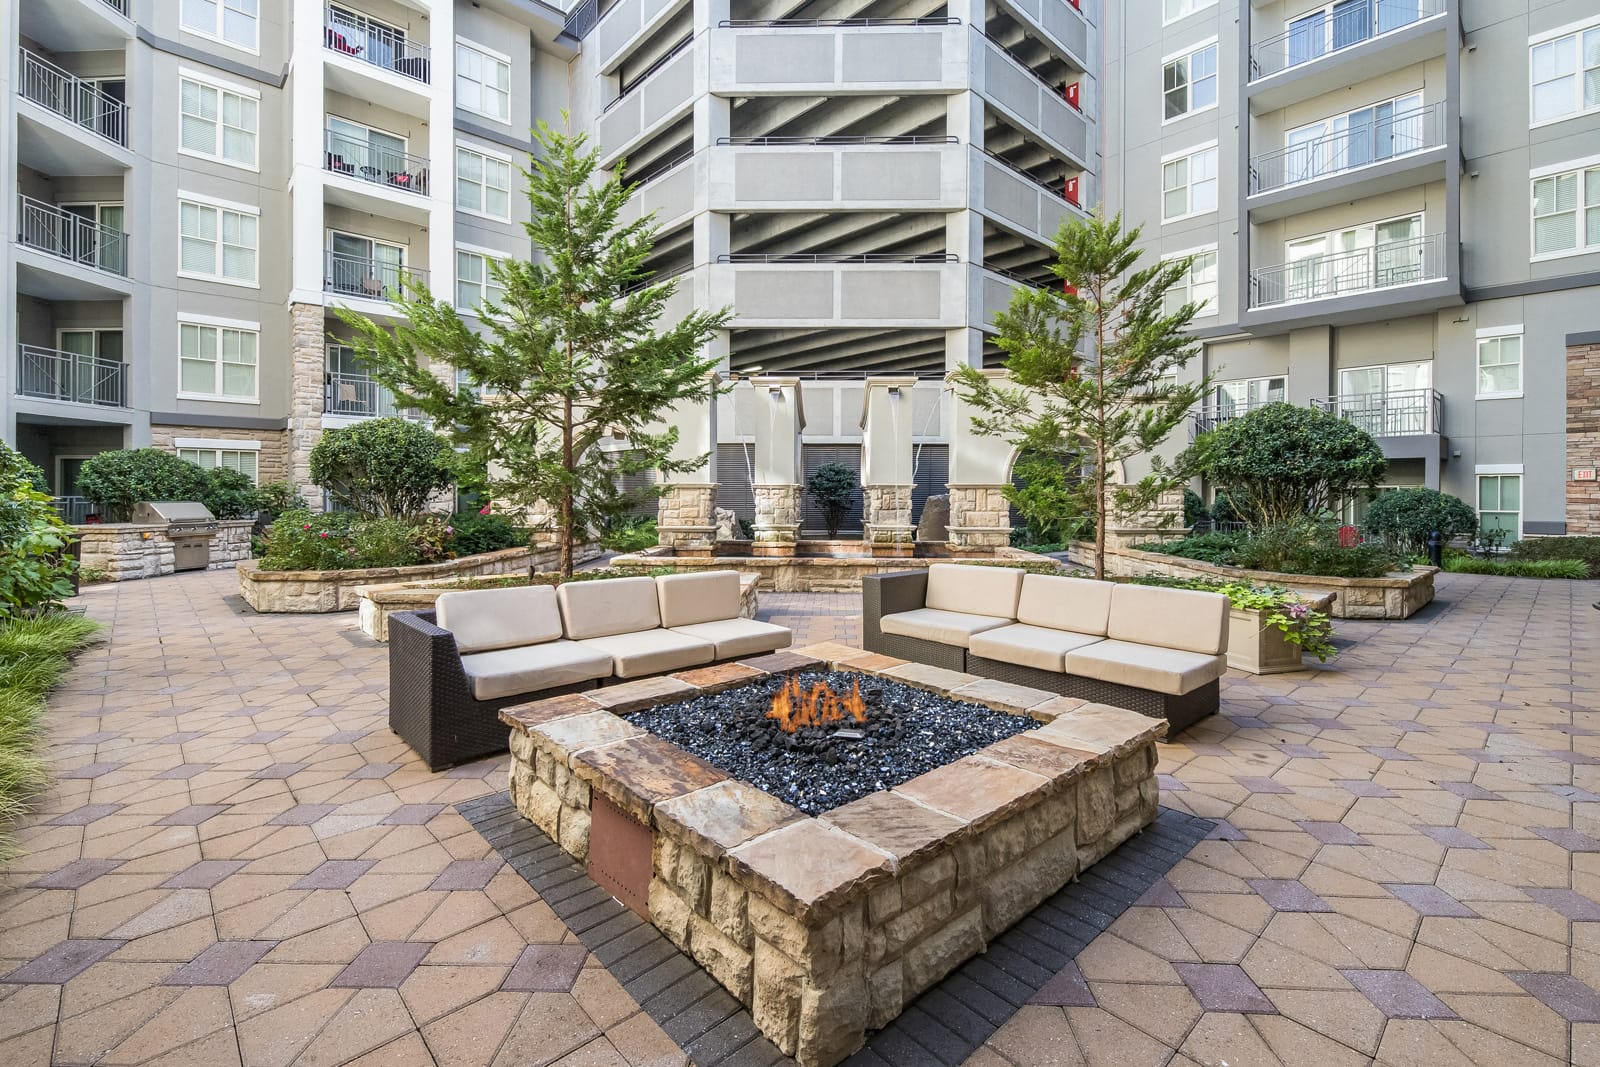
column 945, row 1025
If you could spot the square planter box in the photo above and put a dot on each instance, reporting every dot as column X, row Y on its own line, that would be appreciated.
column 1256, row 648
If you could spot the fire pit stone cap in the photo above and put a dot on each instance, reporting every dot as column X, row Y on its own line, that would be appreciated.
column 809, row 868
column 1102, row 728
column 896, row 824
column 641, row 693
column 720, row 676
column 940, row 680
column 642, row 771
column 1002, row 696
column 566, row 737
column 724, row 816
column 1055, row 759
column 524, row 717
column 978, row 791
column 830, row 652
column 784, row 661
column 1054, row 708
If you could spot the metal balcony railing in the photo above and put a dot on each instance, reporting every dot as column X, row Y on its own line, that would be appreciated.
column 838, row 257
column 1363, row 270
column 643, row 76
column 842, row 139
column 47, row 228
column 1203, row 420
column 359, row 158
column 358, row 396
column 659, row 170
column 352, row 34
column 1057, row 88
column 927, row 20
column 1057, row 191
column 50, row 374
column 1349, row 24
column 72, row 98
column 73, row 509
column 367, row 277
column 119, row 6
column 1405, row 413
column 1363, row 144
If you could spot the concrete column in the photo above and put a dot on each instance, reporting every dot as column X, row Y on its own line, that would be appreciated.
column 1311, row 374
column 307, row 157
column 684, row 514
column 441, row 259
column 779, row 421
column 980, row 471
column 887, row 474
column 307, row 353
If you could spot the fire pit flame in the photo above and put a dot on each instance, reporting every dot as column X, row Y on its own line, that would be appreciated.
column 795, row 708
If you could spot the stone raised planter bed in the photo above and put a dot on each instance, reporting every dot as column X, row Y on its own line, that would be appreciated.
column 818, row 574
column 1256, row 648
column 378, row 602
column 1398, row 595
column 313, row 592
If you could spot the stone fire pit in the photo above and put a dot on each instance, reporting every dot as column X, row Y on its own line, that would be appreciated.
column 827, row 927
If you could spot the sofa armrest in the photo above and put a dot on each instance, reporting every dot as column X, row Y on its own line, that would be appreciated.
column 425, row 679
column 887, row 594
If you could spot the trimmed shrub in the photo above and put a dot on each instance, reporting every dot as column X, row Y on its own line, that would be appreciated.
column 343, row 540
column 1220, row 548
column 14, row 466
column 229, row 494
column 35, row 571
column 1536, row 548
column 383, row 467
column 118, row 480
column 275, row 498
column 475, row 532
column 833, row 487
column 1307, row 548
column 1406, row 517
column 1573, row 569
column 1194, row 509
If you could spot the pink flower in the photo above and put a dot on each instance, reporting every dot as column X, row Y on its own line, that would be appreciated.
column 324, row 533
column 449, row 529
column 307, row 526
column 484, row 510
column 1297, row 611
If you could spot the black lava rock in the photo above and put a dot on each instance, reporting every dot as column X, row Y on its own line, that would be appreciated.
column 909, row 731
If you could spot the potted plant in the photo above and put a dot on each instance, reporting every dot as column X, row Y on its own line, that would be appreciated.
column 1270, row 628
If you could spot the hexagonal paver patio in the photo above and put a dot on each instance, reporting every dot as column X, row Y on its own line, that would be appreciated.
column 238, row 863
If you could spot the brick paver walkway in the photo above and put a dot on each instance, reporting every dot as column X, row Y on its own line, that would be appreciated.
column 239, row 863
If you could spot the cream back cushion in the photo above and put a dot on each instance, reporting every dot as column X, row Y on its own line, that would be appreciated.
column 974, row 590
column 608, row 606
column 687, row 599
column 1075, row 604
column 483, row 620
column 1187, row 619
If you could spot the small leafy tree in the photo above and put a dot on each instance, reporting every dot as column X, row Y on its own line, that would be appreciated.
column 230, row 494
column 1093, row 372
column 14, row 465
column 1282, row 463
column 35, row 570
column 569, row 356
column 118, row 480
column 1043, row 492
column 1405, row 517
column 383, row 467
column 833, row 487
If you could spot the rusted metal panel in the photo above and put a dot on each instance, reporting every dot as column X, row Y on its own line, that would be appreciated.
column 619, row 854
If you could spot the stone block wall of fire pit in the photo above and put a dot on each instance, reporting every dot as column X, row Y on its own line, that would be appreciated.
column 827, row 927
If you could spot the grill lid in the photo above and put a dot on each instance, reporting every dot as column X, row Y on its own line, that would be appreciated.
column 172, row 511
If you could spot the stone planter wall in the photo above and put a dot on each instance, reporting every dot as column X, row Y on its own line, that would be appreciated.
column 818, row 574
column 827, row 927
column 1255, row 648
column 378, row 602
column 232, row 543
column 312, row 592
column 126, row 551
column 1399, row 595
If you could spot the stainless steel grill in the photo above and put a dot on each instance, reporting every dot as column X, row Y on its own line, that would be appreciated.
column 190, row 528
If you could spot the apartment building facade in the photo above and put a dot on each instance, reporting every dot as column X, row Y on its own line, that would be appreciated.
column 1397, row 208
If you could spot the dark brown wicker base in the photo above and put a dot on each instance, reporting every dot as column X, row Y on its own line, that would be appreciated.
column 1181, row 712
column 886, row 594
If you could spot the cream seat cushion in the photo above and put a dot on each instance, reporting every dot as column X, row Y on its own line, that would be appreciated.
column 1162, row 670
column 511, row 671
column 486, row 619
column 934, row 624
column 634, row 655
column 687, row 599
column 966, row 589
column 1077, row 604
column 608, row 606
column 1029, row 646
column 1186, row 619
column 739, row 637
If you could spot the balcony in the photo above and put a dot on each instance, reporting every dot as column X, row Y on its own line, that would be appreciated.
column 77, row 25
column 49, row 229
column 1409, row 413
column 365, row 277
column 354, row 36
column 360, row 159
column 1364, row 270
column 1205, row 419
column 1359, row 148
column 71, row 377
column 1325, row 52
column 356, row 396
column 79, row 130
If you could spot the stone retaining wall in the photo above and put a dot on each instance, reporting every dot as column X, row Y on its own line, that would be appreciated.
column 827, row 927
column 126, row 551
column 1399, row 595
column 818, row 574
column 310, row 592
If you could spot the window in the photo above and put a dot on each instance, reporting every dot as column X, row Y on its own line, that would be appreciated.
column 1245, row 395
column 217, row 361
column 1356, row 138
column 1357, row 259
column 1565, row 75
column 483, row 83
column 217, row 123
column 233, row 21
column 1198, row 285
column 1189, row 184
column 1390, row 400
column 1500, row 504
column 483, row 183
column 216, row 242
column 474, row 283
column 1566, row 213
column 235, row 459
column 1189, row 83
column 1173, row 10
column 1500, row 363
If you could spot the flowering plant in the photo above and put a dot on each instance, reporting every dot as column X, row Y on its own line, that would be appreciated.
column 1281, row 609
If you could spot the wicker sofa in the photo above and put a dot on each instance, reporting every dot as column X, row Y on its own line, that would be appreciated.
column 1156, row 651
column 452, row 670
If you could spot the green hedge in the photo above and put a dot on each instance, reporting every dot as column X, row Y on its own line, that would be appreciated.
column 1574, row 569
column 1584, row 548
column 1311, row 549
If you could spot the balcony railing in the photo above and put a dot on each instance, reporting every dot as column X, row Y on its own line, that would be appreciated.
column 838, row 257
column 359, row 158
column 47, row 228
column 367, row 277
column 1363, row 270
column 49, row 374
column 1406, row 413
column 119, row 6
column 1206, row 419
column 1362, row 145
column 358, row 396
column 73, row 509
column 72, row 98
column 1348, row 25
column 354, row 35
column 1016, row 168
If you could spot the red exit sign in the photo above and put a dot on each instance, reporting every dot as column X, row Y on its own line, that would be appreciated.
column 1583, row 474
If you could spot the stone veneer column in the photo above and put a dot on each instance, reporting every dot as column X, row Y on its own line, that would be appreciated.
column 886, row 519
column 307, row 334
column 1162, row 518
column 685, row 519
column 1583, row 437
column 980, row 516
column 779, row 418
column 887, row 465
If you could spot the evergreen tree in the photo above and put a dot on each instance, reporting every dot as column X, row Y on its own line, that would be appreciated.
column 569, row 356
column 1092, row 373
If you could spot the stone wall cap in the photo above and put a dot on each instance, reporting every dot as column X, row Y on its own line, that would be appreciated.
column 941, row 680
column 976, row 790
column 569, row 735
column 642, row 771
column 809, row 868
column 641, row 693
column 1101, row 728
column 1059, row 762
column 1002, row 696
column 895, row 824
column 524, row 717
column 724, row 816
